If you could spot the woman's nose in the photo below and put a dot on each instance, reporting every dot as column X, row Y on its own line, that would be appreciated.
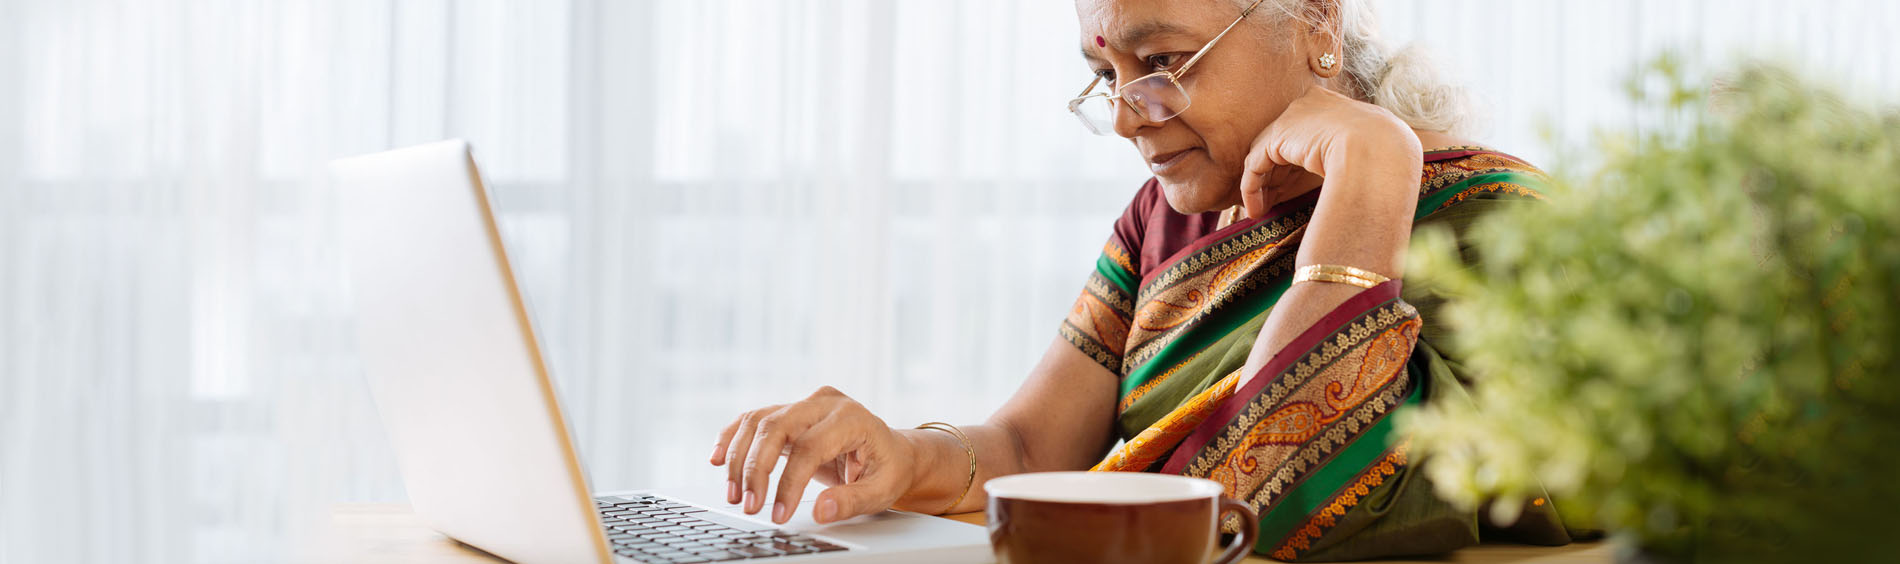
column 1128, row 120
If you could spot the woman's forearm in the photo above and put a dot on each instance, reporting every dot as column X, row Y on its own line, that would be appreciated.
column 1063, row 418
column 943, row 467
column 1363, row 219
column 1364, row 214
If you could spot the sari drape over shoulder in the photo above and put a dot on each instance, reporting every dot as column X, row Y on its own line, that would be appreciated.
column 1173, row 308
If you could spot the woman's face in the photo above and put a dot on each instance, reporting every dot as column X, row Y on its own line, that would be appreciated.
column 1236, row 89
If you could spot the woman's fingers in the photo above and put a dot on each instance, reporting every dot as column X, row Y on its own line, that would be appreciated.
column 871, row 493
column 737, row 449
column 821, row 444
column 1253, row 189
column 732, row 429
column 774, row 432
column 1262, row 160
column 725, row 437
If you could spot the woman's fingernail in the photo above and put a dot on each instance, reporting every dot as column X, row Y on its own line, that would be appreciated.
column 715, row 454
column 732, row 492
column 778, row 512
column 749, row 509
column 826, row 511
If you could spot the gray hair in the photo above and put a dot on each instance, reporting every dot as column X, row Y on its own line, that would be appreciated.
column 1404, row 81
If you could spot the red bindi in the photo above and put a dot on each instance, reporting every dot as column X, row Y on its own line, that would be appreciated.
column 1099, row 42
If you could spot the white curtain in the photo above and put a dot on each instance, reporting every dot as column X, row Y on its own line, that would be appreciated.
column 718, row 204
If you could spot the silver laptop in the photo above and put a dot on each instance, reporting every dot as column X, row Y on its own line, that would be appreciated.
column 457, row 373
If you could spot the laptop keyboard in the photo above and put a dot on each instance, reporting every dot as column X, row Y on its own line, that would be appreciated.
column 655, row 529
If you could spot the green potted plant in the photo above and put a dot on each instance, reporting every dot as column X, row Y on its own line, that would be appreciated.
column 1695, row 347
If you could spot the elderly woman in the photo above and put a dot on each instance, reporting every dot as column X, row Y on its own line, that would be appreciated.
column 1245, row 322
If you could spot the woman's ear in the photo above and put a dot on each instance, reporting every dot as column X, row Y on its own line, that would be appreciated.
column 1325, row 55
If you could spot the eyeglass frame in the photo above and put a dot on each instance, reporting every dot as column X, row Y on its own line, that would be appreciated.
column 1174, row 78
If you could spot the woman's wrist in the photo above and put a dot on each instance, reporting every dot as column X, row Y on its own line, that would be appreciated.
column 1384, row 160
column 926, row 454
column 1382, row 144
column 944, row 472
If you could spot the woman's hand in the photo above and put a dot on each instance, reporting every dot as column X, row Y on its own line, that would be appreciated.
column 1320, row 132
column 828, row 436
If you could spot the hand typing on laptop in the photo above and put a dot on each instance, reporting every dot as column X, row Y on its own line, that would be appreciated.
column 1061, row 419
column 827, row 436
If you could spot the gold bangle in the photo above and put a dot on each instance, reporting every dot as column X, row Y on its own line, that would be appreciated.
column 1338, row 273
column 968, row 449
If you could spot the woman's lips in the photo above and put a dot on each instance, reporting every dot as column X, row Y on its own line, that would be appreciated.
column 1166, row 162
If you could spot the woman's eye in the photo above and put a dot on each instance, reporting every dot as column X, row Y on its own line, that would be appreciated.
column 1106, row 75
column 1162, row 62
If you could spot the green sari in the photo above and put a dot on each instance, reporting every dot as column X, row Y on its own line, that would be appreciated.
column 1173, row 308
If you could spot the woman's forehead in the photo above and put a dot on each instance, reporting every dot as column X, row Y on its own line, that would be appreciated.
column 1123, row 25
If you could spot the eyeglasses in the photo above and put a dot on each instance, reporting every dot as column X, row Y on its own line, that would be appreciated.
column 1157, row 97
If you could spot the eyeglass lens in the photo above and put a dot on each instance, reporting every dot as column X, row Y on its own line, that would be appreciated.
column 1155, row 97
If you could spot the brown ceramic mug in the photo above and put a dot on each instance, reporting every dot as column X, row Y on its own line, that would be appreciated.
column 1102, row 517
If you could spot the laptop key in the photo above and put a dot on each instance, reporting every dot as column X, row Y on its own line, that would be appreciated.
column 734, row 522
column 755, row 551
column 719, row 555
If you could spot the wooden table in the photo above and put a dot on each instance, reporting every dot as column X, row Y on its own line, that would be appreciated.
column 387, row 533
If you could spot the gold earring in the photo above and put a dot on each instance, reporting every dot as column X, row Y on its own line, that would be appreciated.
column 1326, row 61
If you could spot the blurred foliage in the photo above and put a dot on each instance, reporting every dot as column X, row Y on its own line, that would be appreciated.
column 1694, row 347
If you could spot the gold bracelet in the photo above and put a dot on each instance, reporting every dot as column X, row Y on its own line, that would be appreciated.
column 1338, row 273
column 968, row 449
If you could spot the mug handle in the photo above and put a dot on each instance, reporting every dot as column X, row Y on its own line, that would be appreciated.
column 1249, row 528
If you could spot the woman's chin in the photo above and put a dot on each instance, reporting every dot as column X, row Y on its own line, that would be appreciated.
column 1192, row 195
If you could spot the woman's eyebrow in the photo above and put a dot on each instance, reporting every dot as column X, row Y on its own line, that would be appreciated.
column 1132, row 36
column 1135, row 35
